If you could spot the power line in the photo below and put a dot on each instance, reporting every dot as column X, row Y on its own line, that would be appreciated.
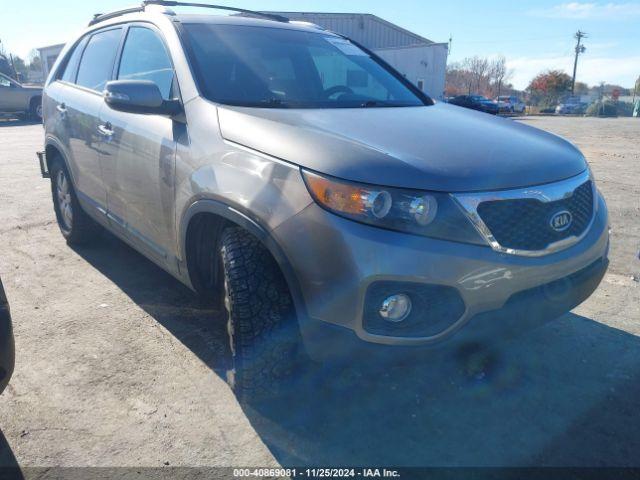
column 513, row 40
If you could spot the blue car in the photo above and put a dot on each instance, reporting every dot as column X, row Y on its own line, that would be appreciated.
column 475, row 102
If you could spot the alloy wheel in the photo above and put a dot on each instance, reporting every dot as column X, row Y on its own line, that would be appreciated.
column 63, row 191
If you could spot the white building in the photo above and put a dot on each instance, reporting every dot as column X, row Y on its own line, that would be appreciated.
column 48, row 56
column 421, row 61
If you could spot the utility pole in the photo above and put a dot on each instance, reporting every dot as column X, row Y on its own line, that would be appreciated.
column 579, row 49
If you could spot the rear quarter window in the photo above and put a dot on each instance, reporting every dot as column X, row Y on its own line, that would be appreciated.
column 69, row 70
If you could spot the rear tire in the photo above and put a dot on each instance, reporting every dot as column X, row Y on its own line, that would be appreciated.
column 263, row 330
column 76, row 226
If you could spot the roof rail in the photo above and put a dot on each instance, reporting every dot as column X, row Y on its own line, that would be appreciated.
column 171, row 3
column 307, row 24
column 100, row 17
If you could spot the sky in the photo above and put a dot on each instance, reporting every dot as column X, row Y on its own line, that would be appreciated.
column 533, row 35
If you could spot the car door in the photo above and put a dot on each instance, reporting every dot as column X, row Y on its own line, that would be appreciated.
column 475, row 104
column 10, row 96
column 139, row 151
column 78, row 101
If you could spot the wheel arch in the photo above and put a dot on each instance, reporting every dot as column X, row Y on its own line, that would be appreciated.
column 53, row 149
column 221, row 214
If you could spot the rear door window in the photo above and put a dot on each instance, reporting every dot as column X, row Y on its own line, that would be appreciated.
column 144, row 57
column 96, row 66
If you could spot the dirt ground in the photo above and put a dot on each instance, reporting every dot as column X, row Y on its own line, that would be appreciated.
column 117, row 364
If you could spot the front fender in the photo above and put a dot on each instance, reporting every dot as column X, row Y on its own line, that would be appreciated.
column 235, row 214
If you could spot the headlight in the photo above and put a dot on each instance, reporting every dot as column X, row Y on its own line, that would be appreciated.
column 431, row 214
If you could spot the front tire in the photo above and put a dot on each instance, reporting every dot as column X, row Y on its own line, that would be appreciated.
column 261, row 321
column 35, row 109
column 76, row 226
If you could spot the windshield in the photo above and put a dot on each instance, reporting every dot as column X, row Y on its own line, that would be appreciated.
column 282, row 68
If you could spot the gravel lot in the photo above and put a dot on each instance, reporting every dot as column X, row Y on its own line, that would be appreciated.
column 117, row 364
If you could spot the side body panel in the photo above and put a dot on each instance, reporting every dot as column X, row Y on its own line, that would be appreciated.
column 138, row 162
column 71, row 120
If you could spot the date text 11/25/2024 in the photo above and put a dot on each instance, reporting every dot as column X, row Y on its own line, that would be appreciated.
column 315, row 473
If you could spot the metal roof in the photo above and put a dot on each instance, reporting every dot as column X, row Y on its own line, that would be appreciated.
column 365, row 28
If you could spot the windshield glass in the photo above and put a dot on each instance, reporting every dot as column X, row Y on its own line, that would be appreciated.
column 282, row 68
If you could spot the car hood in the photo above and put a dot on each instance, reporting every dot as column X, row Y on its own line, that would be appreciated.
column 440, row 147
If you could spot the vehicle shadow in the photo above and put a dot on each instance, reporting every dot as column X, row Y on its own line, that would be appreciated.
column 163, row 297
column 17, row 122
column 9, row 467
column 566, row 394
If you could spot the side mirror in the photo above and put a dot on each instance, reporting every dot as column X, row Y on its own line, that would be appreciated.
column 139, row 96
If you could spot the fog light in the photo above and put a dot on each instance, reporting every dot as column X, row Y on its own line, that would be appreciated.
column 396, row 308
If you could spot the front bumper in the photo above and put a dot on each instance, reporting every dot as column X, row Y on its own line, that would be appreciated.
column 337, row 260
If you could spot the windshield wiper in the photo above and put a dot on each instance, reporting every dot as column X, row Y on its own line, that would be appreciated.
column 376, row 103
column 370, row 104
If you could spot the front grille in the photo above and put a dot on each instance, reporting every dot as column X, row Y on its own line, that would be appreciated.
column 524, row 223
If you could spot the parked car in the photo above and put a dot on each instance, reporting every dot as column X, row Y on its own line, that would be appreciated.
column 570, row 108
column 320, row 197
column 7, row 353
column 21, row 99
column 476, row 102
column 510, row 104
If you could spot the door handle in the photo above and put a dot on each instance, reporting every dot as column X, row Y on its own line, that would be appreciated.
column 106, row 130
column 62, row 108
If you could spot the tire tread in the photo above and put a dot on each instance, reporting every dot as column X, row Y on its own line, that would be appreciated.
column 265, row 342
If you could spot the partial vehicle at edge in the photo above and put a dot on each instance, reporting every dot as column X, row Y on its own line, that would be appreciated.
column 24, row 100
column 7, row 348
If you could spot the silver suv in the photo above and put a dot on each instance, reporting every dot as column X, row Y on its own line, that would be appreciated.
column 323, row 200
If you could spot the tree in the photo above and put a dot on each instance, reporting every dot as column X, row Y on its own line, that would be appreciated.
column 35, row 64
column 499, row 74
column 478, row 67
column 478, row 75
column 549, row 87
column 581, row 88
column 19, row 65
column 458, row 80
